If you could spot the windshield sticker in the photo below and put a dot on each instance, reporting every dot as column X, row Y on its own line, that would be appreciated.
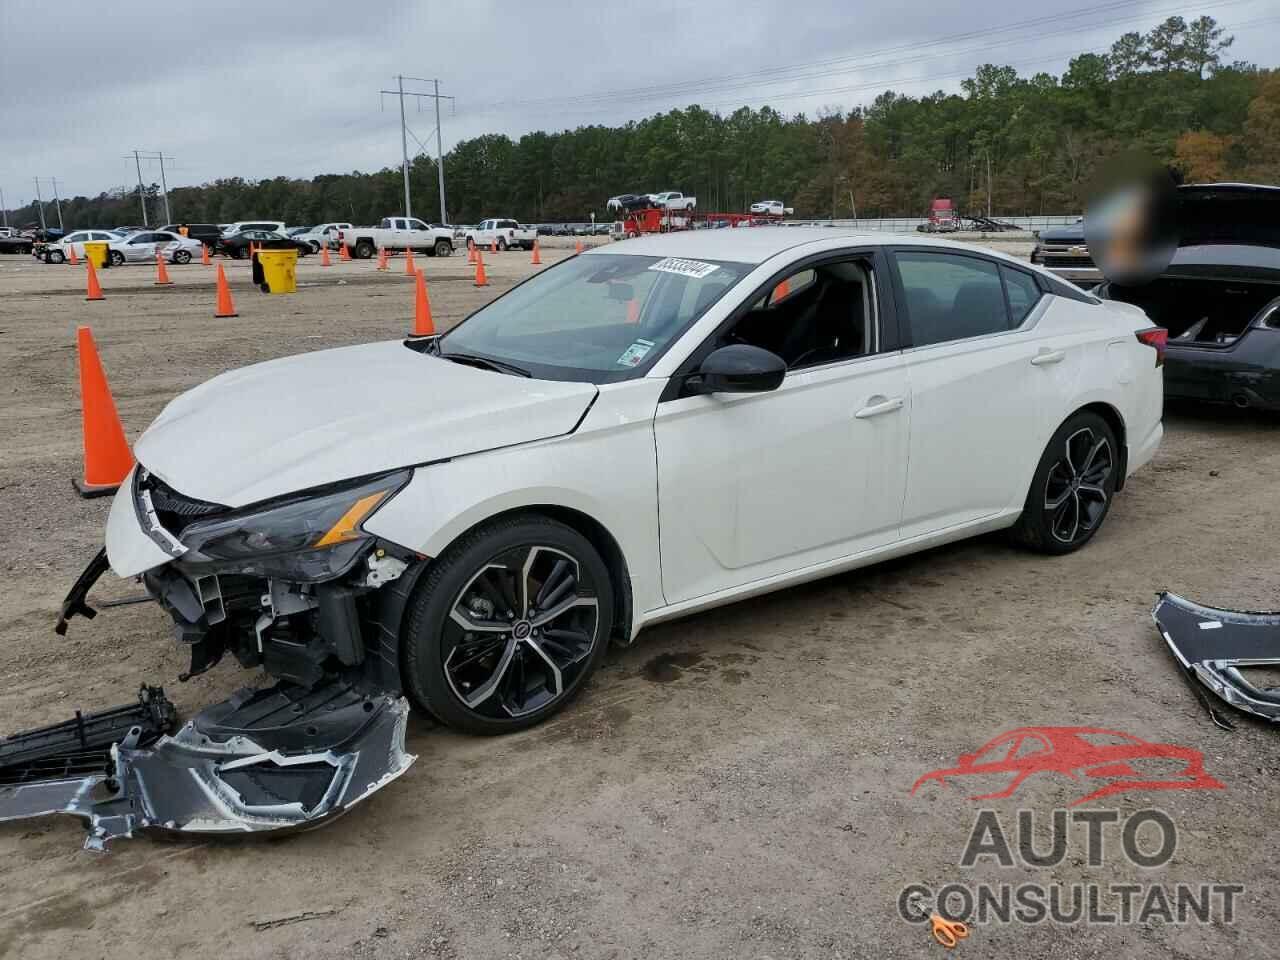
column 632, row 356
column 686, row 268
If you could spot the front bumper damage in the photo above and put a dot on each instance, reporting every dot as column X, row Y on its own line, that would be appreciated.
column 283, row 758
column 1216, row 647
column 289, row 757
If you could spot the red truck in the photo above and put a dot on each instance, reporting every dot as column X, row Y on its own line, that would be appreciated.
column 942, row 216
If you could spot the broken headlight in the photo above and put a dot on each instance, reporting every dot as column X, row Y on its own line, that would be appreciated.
column 308, row 537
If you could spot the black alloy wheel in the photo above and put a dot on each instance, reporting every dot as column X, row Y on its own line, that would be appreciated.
column 1073, row 486
column 508, row 625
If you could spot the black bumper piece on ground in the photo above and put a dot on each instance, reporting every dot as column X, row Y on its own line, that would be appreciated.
column 1214, row 647
column 75, row 604
column 284, row 758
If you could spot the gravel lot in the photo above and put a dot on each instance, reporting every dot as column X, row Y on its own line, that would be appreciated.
column 735, row 784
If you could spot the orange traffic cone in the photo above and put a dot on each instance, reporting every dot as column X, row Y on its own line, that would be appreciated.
column 481, row 279
column 577, row 246
column 71, row 255
column 493, row 246
column 107, row 459
column 781, row 291
column 422, row 325
column 92, row 291
column 324, row 256
column 204, row 254
column 162, row 273
column 225, row 307
column 633, row 310
column 343, row 252
column 409, row 269
column 536, row 259
column 382, row 259
column 471, row 251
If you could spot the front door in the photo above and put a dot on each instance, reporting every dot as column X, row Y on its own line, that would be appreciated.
column 753, row 486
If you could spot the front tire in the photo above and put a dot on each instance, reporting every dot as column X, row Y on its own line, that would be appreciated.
column 1073, row 487
column 115, row 258
column 57, row 256
column 508, row 625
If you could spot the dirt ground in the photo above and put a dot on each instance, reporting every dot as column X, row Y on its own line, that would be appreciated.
column 735, row 784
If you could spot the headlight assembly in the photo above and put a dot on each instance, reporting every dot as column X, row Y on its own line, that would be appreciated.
column 304, row 538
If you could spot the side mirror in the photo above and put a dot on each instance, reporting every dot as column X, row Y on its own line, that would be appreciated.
column 739, row 368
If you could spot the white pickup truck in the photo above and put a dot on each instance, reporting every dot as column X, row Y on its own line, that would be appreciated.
column 673, row 200
column 397, row 233
column 503, row 233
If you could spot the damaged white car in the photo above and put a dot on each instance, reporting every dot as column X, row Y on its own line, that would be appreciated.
column 629, row 436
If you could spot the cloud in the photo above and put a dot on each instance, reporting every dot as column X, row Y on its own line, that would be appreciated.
column 251, row 89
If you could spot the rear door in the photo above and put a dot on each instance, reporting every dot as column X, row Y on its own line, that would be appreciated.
column 975, row 434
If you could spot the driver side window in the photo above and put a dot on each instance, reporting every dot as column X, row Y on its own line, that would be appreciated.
column 814, row 316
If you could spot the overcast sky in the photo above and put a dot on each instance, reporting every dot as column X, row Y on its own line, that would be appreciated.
column 260, row 89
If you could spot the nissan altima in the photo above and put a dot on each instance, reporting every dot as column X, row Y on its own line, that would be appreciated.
column 626, row 437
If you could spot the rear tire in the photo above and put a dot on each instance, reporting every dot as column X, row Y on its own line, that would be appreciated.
column 502, row 244
column 1073, row 486
column 115, row 258
column 182, row 256
column 514, row 667
column 443, row 248
column 364, row 250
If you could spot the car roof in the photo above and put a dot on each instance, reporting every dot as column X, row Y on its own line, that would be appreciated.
column 755, row 245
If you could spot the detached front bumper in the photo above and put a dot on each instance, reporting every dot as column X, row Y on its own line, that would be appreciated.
column 285, row 758
column 1216, row 646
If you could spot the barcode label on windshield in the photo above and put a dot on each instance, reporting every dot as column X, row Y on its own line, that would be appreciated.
column 686, row 268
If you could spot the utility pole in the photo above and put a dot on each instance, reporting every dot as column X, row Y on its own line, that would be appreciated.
column 444, row 217
column 138, row 157
column 404, row 149
column 4, row 211
column 40, row 204
column 142, row 197
column 164, row 189
column 57, row 202
column 404, row 135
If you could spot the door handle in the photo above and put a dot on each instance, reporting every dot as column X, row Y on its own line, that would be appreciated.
column 1046, row 357
column 877, row 406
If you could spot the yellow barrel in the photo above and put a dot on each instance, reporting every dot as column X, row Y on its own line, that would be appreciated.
column 96, row 251
column 276, row 271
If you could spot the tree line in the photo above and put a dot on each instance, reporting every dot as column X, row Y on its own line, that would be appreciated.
column 1007, row 144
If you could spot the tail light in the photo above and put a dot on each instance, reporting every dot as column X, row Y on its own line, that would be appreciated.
column 1157, row 338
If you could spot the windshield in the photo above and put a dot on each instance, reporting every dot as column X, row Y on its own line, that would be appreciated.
column 595, row 318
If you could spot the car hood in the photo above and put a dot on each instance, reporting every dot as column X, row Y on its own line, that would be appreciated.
column 302, row 421
column 1228, row 213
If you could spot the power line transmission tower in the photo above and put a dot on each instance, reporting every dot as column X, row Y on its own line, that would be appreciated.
column 138, row 157
column 401, row 93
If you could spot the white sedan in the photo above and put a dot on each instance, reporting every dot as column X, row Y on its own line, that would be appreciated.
column 141, row 247
column 632, row 435
column 181, row 249
column 60, row 251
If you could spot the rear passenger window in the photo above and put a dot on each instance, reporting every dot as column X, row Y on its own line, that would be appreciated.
column 951, row 297
column 1023, row 291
